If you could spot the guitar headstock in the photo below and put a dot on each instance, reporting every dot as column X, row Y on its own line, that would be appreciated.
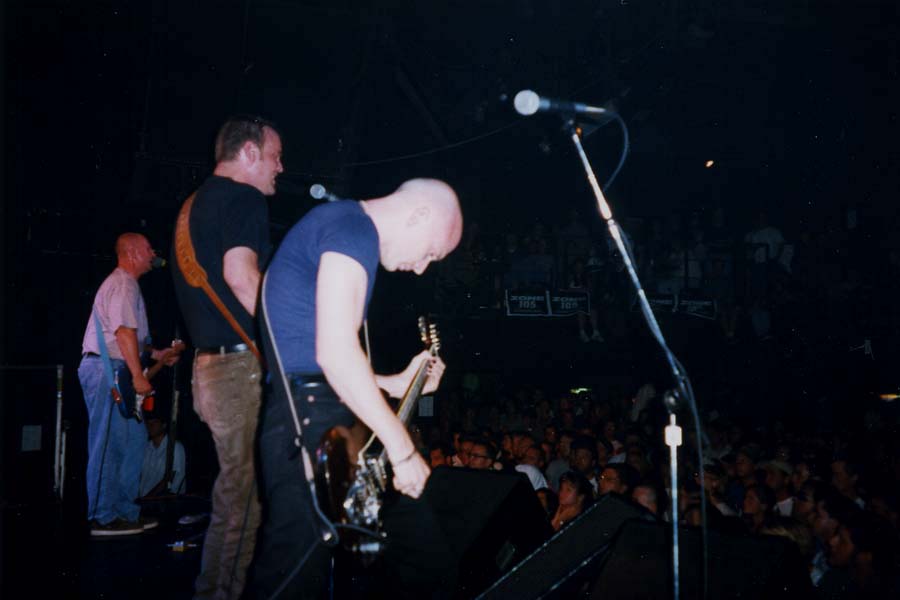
column 428, row 332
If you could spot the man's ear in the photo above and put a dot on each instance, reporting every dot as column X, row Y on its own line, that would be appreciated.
column 249, row 153
column 419, row 215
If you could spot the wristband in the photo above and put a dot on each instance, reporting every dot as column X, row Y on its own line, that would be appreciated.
column 405, row 459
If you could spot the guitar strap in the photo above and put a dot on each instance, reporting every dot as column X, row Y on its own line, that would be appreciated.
column 195, row 275
column 104, row 355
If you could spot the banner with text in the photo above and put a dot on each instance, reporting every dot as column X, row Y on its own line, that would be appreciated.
column 671, row 303
column 562, row 303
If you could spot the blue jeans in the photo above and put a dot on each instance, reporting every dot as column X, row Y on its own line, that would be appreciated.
column 115, row 448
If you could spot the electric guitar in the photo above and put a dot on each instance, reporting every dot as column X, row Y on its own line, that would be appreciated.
column 351, row 491
column 131, row 404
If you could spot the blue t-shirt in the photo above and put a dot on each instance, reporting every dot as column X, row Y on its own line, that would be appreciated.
column 289, row 291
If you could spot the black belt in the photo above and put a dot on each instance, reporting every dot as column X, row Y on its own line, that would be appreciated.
column 306, row 379
column 86, row 354
column 223, row 349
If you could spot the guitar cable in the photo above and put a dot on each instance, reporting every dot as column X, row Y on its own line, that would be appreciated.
column 330, row 537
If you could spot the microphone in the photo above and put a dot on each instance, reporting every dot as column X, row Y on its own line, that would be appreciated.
column 319, row 192
column 157, row 262
column 528, row 102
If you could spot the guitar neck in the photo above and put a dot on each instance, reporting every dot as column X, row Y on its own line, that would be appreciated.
column 410, row 398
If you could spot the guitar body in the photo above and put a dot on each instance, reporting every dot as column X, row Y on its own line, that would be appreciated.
column 128, row 402
column 350, row 481
column 131, row 405
column 334, row 472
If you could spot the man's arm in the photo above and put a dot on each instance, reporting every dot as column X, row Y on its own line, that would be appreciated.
column 126, row 338
column 397, row 384
column 241, row 272
column 340, row 301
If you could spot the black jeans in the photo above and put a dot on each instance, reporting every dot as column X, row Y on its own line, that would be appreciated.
column 292, row 560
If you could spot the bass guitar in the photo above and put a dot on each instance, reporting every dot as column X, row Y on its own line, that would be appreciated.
column 350, row 489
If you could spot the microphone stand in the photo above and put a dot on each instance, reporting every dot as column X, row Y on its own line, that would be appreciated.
column 683, row 388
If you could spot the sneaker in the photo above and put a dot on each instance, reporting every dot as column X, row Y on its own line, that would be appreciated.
column 191, row 519
column 116, row 527
column 584, row 337
column 147, row 523
column 597, row 337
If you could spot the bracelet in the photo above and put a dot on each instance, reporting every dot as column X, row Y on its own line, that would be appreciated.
column 408, row 456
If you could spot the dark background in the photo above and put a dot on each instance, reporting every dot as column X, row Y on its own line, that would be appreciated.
column 110, row 110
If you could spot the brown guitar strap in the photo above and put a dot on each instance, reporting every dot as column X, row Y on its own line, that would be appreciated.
column 195, row 275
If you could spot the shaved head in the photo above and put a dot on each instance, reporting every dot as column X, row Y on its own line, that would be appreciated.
column 441, row 201
column 420, row 222
column 128, row 242
column 134, row 253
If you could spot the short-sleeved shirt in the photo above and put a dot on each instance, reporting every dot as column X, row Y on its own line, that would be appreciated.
column 225, row 215
column 118, row 303
column 289, row 289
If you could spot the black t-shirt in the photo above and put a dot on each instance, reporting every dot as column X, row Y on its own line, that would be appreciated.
column 226, row 214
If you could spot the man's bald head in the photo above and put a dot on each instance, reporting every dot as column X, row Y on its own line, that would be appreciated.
column 129, row 242
column 134, row 253
column 439, row 198
column 420, row 222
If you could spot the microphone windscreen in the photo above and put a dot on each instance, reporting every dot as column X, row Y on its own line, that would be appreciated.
column 527, row 102
column 317, row 191
column 157, row 262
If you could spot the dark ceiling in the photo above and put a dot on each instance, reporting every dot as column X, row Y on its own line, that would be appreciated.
column 111, row 107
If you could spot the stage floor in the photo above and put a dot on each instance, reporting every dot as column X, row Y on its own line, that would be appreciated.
column 48, row 556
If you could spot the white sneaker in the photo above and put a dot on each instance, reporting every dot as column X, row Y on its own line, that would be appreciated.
column 191, row 519
column 116, row 527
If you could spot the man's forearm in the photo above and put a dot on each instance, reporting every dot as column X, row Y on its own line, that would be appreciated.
column 391, row 384
column 126, row 338
column 354, row 384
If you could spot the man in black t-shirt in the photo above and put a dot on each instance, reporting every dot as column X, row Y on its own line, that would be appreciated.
column 230, row 234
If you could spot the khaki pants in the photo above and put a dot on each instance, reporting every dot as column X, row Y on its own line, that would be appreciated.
column 227, row 391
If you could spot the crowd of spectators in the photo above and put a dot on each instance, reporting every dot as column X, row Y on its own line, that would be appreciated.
column 833, row 494
column 818, row 280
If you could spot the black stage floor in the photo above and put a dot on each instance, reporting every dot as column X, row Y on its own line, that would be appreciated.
column 48, row 556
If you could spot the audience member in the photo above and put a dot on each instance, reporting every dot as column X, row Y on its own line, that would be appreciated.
column 619, row 478
column 647, row 496
column 575, row 495
column 560, row 464
column 535, row 477
column 481, row 456
column 844, row 477
column 778, row 475
column 153, row 471
column 744, row 476
column 584, row 460
column 759, row 504
column 439, row 454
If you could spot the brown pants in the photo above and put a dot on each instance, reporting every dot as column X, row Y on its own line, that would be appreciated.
column 227, row 392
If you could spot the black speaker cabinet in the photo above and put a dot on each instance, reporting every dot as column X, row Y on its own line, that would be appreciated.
column 552, row 569
column 491, row 521
column 639, row 566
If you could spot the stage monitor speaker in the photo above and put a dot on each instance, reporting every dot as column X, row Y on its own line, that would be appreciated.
column 639, row 566
column 551, row 569
column 491, row 520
